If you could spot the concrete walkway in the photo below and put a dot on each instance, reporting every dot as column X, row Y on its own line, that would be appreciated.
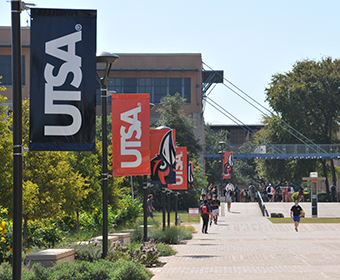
column 244, row 245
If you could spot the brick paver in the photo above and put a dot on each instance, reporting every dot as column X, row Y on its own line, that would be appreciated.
column 244, row 245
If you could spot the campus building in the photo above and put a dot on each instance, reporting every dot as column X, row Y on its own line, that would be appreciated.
column 157, row 74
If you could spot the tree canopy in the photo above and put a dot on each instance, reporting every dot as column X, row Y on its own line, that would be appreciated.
column 306, row 98
column 172, row 115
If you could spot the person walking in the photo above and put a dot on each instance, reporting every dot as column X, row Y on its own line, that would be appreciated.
column 215, row 204
column 295, row 213
column 205, row 211
column 228, row 199
column 150, row 207
column 230, row 187
column 270, row 193
column 333, row 192
column 252, row 191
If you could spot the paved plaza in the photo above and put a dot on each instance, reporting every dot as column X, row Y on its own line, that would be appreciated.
column 245, row 245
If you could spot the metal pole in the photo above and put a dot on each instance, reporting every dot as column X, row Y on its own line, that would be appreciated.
column 176, row 209
column 163, row 190
column 222, row 171
column 17, row 140
column 104, row 170
column 132, row 195
column 145, row 187
column 169, row 208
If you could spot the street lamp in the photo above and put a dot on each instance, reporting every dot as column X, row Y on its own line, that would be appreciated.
column 108, row 59
column 222, row 144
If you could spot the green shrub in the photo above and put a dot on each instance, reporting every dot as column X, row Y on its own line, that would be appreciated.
column 146, row 254
column 165, row 250
column 128, row 270
column 5, row 271
column 81, row 270
column 171, row 235
column 87, row 252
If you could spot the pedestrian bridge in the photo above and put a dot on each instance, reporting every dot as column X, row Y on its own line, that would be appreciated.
column 283, row 151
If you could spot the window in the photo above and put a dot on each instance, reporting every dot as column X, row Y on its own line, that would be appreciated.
column 6, row 70
column 130, row 85
column 160, row 89
column 156, row 87
column 175, row 85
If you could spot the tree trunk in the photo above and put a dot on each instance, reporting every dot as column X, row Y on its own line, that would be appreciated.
column 324, row 168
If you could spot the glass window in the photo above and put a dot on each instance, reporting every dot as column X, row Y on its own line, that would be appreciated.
column 115, row 84
column 160, row 89
column 145, row 85
column 175, row 85
column 130, row 85
column 187, row 90
column 6, row 70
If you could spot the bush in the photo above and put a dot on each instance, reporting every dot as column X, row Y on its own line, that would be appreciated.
column 171, row 235
column 81, row 270
column 146, row 254
column 5, row 236
column 165, row 250
column 128, row 270
column 88, row 252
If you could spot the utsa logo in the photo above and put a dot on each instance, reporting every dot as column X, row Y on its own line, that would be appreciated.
column 163, row 165
column 228, row 165
column 126, row 133
column 64, row 49
column 190, row 176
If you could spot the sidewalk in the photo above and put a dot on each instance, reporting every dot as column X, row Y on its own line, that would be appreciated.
column 244, row 245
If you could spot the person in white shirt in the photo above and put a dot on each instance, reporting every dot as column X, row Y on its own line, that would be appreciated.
column 230, row 187
column 270, row 193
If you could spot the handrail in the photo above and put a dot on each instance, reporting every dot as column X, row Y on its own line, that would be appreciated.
column 261, row 204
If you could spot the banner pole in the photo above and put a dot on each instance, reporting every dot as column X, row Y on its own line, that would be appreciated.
column 17, row 139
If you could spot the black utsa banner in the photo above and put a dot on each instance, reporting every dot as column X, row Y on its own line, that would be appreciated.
column 63, row 80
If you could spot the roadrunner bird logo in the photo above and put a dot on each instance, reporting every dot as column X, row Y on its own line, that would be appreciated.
column 228, row 165
column 163, row 165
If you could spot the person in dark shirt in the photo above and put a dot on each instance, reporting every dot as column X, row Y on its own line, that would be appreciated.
column 150, row 207
column 295, row 213
column 205, row 211
column 215, row 203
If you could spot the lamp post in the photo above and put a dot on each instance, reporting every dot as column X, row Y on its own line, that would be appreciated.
column 145, row 206
column 17, row 139
column 222, row 144
column 108, row 59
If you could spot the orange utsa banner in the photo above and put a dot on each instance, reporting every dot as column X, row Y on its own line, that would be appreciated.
column 228, row 163
column 181, row 170
column 130, row 134
column 163, row 156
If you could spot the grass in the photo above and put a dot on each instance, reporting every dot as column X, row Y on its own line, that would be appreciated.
column 306, row 220
column 158, row 216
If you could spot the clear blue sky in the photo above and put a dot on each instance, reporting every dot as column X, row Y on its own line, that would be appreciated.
column 250, row 40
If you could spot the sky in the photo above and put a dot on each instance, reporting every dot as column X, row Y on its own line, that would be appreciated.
column 249, row 40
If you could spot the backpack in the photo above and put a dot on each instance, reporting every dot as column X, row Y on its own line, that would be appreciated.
column 204, row 209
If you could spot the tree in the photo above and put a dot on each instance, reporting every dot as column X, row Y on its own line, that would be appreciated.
column 307, row 98
column 6, row 159
column 172, row 115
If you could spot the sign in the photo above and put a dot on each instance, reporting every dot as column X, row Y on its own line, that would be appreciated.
column 163, row 156
column 130, row 134
column 63, row 80
column 228, row 163
column 181, row 170
column 313, row 174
